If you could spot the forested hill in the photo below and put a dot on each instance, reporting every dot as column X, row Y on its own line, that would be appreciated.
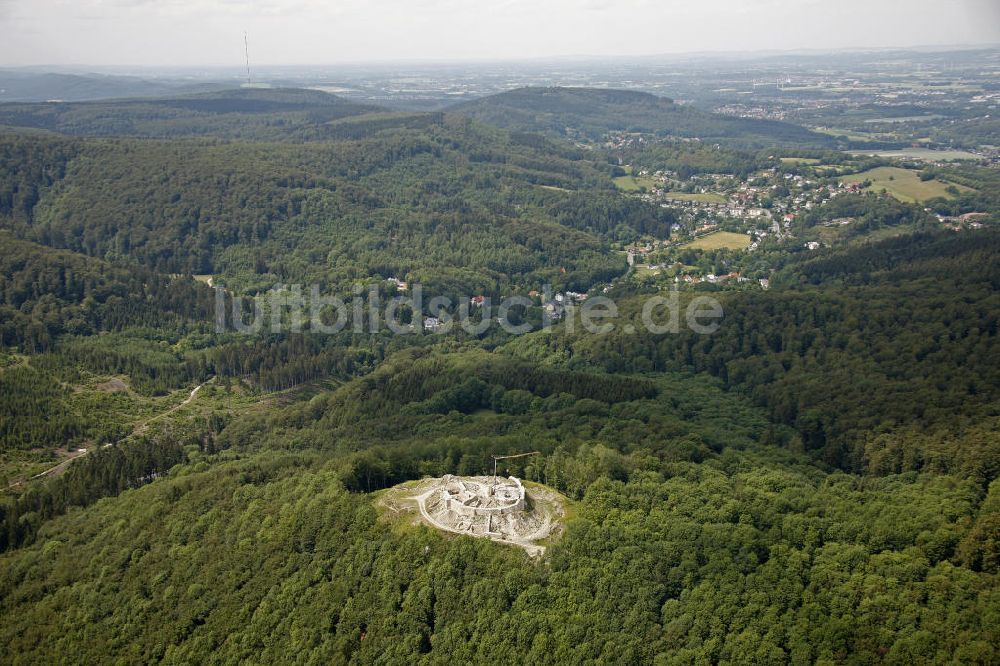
column 46, row 292
column 254, row 114
column 884, row 358
column 291, row 114
column 693, row 538
column 815, row 482
column 30, row 86
column 454, row 204
column 592, row 112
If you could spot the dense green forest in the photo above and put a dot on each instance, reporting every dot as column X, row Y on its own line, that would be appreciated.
column 883, row 357
column 237, row 114
column 459, row 207
column 692, row 502
column 815, row 482
column 693, row 537
column 591, row 113
column 259, row 559
column 46, row 292
column 686, row 158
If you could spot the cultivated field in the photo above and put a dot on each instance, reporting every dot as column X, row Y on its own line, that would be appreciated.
column 720, row 240
column 904, row 184
column 634, row 183
column 922, row 154
column 642, row 270
column 799, row 160
column 851, row 135
column 707, row 197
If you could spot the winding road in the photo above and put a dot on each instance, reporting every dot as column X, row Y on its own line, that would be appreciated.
column 138, row 429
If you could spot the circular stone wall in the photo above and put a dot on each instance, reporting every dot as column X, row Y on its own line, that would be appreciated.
column 475, row 498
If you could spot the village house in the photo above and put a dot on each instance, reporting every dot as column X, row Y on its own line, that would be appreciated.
column 400, row 285
column 553, row 310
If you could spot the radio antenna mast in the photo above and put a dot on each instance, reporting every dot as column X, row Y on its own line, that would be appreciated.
column 246, row 52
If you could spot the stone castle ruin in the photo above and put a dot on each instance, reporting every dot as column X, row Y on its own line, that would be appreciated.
column 483, row 506
column 472, row 498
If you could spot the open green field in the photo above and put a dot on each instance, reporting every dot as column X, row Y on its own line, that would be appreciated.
column 831, row 170
column 923, row 154
column 906, row 119
column 799, row 160
column 904, row 184
column 852, row 135
column 706, row 197
column 634, row 183
column 720, row 240
column 840, row 234
column 643, row 270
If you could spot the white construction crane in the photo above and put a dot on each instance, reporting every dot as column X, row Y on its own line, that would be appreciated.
column 515, row 455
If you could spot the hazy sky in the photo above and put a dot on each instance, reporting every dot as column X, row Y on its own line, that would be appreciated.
column 207, row 32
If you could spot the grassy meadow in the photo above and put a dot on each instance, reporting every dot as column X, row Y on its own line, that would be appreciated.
column 904, row 184
column 705, row 197
column 720, row 240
